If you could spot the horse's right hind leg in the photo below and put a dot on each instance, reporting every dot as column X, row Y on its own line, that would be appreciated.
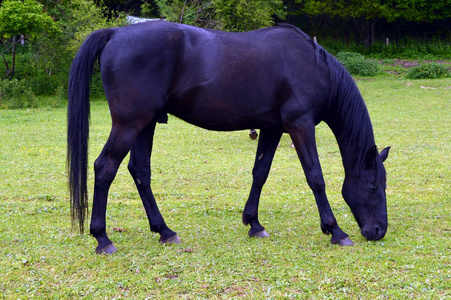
column 139, row 167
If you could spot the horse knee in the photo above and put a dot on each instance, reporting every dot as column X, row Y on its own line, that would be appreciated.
column 316, row 181
column 103, row 174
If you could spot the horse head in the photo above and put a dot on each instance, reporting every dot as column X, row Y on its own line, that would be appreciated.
column 364, row 192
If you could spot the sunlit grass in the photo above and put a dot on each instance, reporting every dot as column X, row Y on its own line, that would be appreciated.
column 201, row 180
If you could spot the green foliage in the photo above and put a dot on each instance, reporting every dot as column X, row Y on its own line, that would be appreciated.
column 44, row 84
column 409, row 10
column 357, row 64
column 236, row 15
column 428, row 71
column 55, row 52
column 45, row 60
column 16, row 94
column 408, row 48
column 387, row 61
column 191, row 12
column 24, row 17
column 150, row 10
column 366, row 13
column 245, row 15
column 82, row 18
column 25, row 63
column 418, row 11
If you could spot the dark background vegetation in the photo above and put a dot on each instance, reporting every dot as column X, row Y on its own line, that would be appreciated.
column 40, row 38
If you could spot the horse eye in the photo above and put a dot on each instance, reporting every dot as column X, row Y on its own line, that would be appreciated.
column 372, row 188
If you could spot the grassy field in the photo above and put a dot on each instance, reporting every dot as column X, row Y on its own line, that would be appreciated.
column 201, row 180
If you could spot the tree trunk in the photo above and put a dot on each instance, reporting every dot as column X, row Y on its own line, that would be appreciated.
column 367, row 30
column 13, row 67
column 373, row 31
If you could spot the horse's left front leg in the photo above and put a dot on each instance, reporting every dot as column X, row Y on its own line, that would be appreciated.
column 303, row 136
column 267, row 145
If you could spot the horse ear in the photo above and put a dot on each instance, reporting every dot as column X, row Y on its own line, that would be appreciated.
column 370, row 157
column 384, row 153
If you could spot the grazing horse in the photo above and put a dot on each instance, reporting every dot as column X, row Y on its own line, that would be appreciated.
column 274, row 79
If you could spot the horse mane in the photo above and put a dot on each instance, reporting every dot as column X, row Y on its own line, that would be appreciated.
column 349, row 118
column 348, row 115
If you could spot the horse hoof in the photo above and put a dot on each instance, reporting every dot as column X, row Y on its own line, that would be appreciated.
column 344, row 242
column 260, row 234
column 172, row 240
column 109, row 249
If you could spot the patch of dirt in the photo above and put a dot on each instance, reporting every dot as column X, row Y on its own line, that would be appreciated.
column 413, row 63
column 406, row 63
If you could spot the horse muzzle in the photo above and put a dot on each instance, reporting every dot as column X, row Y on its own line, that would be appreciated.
column 374, row 232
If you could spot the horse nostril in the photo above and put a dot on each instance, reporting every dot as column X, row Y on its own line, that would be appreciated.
column 377, row 230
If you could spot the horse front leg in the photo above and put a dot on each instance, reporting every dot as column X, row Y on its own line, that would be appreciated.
column 139, row 167
column 267, row 145
column 303, row 136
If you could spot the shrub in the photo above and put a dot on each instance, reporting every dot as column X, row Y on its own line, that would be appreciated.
column 388, row 61
column 428, row 71
column 357, row 64
column 43, row 84
column 16, row 94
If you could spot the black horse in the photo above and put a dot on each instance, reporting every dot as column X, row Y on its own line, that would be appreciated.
column 274, row 79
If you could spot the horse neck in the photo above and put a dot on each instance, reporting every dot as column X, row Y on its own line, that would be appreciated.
column 351, row 124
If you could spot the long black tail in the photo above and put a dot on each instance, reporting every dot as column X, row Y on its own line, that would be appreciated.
column 78, row 121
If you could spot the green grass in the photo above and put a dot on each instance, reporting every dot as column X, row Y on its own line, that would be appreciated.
column 201, row 180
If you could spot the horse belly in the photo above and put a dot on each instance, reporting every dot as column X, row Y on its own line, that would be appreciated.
column 224, row 108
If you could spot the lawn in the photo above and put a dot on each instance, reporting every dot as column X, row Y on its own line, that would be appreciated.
column 201, row 180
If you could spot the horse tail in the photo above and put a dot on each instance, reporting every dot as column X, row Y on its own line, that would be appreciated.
column 78, row 121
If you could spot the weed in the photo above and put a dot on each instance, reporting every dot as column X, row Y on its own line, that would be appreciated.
column 428, row 71
column 357, row 64
column 15, row 94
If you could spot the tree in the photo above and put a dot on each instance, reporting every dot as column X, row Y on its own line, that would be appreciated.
column 366, row 13
column 76, row 20
column 22, row 18
column 234, row 15
column 192, row 12
column 418, row 10
column 244, row 15
column 363, row 12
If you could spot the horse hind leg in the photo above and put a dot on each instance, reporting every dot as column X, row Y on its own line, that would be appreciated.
column 106, row 165
column 266, row 149
column 139, row 167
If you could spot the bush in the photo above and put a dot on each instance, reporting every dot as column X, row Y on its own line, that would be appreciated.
column 16, row 94
column 388, row 61
column 408, row 48
column 428, row 71
column 43, row 84
column 357, row 64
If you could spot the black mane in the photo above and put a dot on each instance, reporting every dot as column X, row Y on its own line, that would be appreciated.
column 349, row 118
